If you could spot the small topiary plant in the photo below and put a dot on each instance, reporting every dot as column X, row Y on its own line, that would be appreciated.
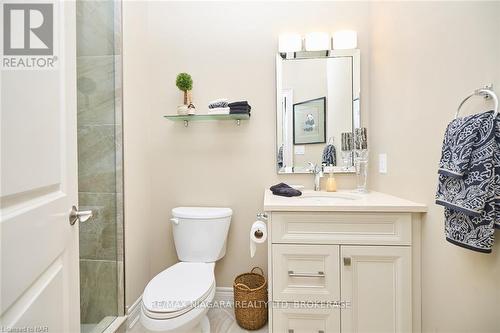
column 185, row 83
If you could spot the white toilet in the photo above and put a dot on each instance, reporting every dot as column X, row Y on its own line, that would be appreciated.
column 175, row 299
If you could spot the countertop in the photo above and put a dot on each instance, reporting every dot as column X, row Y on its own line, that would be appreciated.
column 341, row 201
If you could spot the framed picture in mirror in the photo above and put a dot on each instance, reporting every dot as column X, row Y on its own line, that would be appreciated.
column 309, row 121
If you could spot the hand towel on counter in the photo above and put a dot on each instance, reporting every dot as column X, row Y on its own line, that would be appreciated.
column 219, row 111
column 285, row 190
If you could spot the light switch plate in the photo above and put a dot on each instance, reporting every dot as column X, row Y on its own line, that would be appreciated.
column 382, row 163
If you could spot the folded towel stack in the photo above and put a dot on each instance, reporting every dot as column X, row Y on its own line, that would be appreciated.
column 219, row 106
column 241, row 107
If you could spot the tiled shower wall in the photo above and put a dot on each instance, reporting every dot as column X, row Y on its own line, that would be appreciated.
column 100, row 183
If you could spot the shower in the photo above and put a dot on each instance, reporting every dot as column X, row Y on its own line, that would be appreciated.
column 100, row 179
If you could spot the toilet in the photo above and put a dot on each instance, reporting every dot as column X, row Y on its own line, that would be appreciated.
column 175, row 300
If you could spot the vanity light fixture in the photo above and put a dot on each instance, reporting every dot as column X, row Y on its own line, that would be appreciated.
column 345, row 39
column 290, row 43
column 317, row 41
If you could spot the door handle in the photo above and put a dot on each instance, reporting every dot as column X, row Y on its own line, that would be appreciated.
column 292, row 331
column 296, row 274
column 76, row 215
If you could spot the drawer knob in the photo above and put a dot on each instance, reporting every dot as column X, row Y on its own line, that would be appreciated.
column 311, row 275
column 347, row 261
column 291, row 331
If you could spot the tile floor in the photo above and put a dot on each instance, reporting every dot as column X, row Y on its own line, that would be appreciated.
column 221, row 321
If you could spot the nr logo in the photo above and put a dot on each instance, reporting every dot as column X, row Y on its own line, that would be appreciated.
column 28, row 29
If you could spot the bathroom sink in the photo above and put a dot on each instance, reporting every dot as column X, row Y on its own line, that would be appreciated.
column 326, row 197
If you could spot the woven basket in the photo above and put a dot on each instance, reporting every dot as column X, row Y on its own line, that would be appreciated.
column 250, row 299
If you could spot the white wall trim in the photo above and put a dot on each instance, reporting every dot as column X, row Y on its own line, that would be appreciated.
column 133, row 313
column 224, row 294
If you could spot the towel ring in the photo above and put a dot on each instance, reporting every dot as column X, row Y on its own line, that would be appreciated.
column 484, row 92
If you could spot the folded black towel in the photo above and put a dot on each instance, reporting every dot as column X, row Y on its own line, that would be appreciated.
column 239, row 112
column 239, row 103
column 285, row 190
column 280, row 185
column 241, row 108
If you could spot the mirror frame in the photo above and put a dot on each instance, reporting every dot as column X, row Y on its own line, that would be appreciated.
column 355, row 54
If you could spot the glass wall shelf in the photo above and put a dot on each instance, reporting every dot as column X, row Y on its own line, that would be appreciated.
column 208, row 117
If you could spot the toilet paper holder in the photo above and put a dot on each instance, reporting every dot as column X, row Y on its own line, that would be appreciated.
column 262, row 217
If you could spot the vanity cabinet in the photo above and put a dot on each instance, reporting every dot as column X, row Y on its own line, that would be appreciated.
column 338, row 268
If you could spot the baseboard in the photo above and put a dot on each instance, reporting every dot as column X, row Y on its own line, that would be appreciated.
column 134, row 313
column 224, row 294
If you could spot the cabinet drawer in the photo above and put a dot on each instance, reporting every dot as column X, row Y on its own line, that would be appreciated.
column 306, row 321
column 306, row 273
column 341, row 228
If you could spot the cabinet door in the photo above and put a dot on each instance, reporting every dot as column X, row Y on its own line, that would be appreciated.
column 376, row 284
column 306, row 273
column 306, row 320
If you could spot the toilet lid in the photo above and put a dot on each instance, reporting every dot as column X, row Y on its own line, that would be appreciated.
column 179, row 287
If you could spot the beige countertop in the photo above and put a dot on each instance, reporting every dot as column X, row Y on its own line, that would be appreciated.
column 341, row 201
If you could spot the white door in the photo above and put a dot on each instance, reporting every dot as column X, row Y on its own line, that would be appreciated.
column 39, row 283
column 376, row 283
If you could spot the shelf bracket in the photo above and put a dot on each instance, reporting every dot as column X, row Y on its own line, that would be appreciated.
column 186, row 123
column 238, row 122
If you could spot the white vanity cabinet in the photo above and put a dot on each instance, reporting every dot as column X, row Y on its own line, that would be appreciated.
column 343, row 265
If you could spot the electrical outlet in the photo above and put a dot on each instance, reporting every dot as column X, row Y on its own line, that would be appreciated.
column 382, row 163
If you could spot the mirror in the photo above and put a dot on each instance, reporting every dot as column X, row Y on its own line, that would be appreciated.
column 318, row 99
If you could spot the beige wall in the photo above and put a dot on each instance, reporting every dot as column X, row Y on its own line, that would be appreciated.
column 418, row 61
column 425, row 58
column 137, row 154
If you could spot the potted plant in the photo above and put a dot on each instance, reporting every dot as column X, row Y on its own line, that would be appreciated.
column 185, row 83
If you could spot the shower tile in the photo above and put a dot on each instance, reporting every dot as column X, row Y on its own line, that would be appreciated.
column 96, row 23
column 98, row 290
column 99, row 236
column 97, row 93
column 96, row 159
column 119, row 158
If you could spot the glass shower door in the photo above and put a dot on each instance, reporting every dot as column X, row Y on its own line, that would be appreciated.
column 100, row 183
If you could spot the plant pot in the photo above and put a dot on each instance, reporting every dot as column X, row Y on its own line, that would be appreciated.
column 191, row 110
column 182, row 110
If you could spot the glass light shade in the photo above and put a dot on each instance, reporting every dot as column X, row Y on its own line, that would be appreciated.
column 345, row 39
column 290, row 43
column 317, row 41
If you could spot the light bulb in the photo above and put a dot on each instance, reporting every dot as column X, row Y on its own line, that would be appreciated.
column 345, row 39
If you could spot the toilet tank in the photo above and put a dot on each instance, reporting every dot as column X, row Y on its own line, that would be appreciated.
column 200, row 233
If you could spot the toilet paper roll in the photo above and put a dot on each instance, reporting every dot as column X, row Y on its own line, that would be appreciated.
column 258, row 235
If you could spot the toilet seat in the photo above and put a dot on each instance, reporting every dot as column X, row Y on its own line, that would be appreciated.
column 178, row 289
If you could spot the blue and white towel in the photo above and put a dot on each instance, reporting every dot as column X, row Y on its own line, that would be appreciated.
column 329, row 155
column 218, row 103
column 467, row 183
column 466, row 173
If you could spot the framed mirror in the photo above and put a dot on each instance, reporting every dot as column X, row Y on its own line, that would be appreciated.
column 318, row 99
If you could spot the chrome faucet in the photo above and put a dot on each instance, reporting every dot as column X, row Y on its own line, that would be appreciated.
column 318, row 173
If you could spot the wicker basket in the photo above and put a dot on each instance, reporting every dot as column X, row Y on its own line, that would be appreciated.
column 250, row 299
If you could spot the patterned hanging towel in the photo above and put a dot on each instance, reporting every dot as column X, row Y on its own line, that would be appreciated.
column 467, row 184
column 329, row 155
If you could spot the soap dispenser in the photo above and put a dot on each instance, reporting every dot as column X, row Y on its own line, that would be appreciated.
column 331, row 183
